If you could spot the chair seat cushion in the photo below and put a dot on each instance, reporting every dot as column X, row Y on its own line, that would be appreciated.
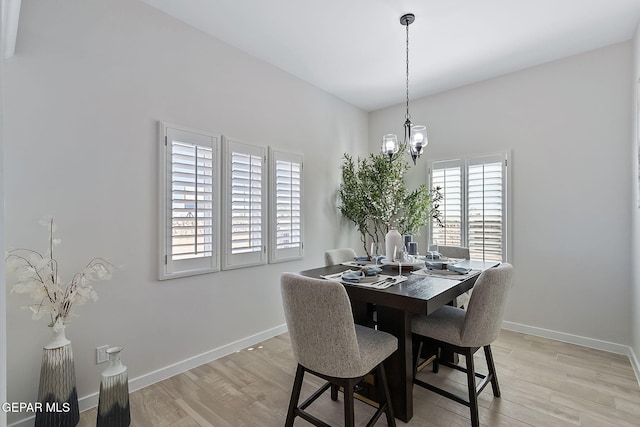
column 375, row 346
column 445, row 324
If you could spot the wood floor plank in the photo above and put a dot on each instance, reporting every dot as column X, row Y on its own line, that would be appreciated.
column 543, row 383
column 530, row 415
column 589, row 410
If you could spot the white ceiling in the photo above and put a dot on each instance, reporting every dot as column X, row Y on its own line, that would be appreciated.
column 355, row 49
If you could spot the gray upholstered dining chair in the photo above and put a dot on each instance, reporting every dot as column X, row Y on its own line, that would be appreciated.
column 337, row 256
column 327, row 343
column 464, row 332
column 455, row 252
column 452, row 251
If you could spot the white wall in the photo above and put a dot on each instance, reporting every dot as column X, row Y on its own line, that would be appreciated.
column 567, row 127
column 83, row 95
column 635, row 196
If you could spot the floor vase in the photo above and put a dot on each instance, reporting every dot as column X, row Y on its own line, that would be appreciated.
column 57, row 391
column 113, row 406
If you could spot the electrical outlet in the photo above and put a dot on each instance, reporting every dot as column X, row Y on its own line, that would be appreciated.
column 101, row 354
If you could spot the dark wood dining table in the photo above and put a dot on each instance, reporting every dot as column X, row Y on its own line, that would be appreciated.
column 394, row 308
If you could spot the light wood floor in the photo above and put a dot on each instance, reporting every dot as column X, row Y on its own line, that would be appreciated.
column 543, row 383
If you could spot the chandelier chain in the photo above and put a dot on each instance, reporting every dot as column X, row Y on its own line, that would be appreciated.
column 407, row 116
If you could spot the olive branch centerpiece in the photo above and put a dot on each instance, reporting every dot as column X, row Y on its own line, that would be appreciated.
column 36, row 275
column 374, row 197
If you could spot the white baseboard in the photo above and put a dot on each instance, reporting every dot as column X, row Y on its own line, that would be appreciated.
column 635, row 364
column 569, row 338
column 91, row 401
column 578, row 340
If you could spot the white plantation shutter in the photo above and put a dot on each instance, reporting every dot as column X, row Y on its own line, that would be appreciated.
column 191, row 204
column 286, row 206
column 189, row 199
column 448, row 176
column 245, row 183
column 246, row 203
column 486, row 207
column 473, row 207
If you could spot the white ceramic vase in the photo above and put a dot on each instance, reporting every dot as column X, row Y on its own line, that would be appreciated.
column 59, row 339
column 57, row 390
column 115, row 366
column 113, row 404
column 393, row 241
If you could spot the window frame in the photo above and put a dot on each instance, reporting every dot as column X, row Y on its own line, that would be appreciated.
column 286, row 254
column 248, row 259
column 169, row 268
column 464, row 164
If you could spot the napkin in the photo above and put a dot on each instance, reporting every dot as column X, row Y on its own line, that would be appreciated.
column 366, row 258
column 433, row 255
column 353, row 276
column 370, row 270
column 457, row 269
column 431, row 265
column 356, row 276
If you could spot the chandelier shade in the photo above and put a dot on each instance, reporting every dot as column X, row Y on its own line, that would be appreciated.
column 418, row 140
column 390, row 145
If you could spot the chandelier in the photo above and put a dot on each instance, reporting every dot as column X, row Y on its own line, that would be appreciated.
column 415, row 136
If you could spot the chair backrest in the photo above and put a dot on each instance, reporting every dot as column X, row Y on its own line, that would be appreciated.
column 485, row 310
column 337, row 256
column 321, row 326
column 452, row 251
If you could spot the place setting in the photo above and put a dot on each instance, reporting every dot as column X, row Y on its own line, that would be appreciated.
column 438, row 265
column 366, row 260
column 366, row 276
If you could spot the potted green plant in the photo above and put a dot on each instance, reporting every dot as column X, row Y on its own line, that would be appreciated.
column 374, row 197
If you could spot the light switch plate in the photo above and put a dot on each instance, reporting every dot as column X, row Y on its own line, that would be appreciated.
column 101, row 354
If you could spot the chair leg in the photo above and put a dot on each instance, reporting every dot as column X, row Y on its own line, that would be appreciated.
column 391, row 419
column 348, row 404
column 492, row 371
column 295, row 396
column 436, row 365
column 416, row 349
column 471, row 383
column 371, row 315
column 334, row 392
